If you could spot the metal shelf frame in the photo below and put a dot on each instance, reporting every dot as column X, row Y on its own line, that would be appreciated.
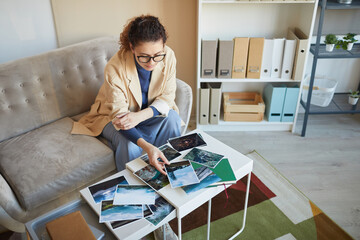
column 318, row 50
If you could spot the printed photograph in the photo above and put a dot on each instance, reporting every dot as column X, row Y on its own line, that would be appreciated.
column 187, row 142
column 106, row 190
column 203, row 157
column 152, row 177
column 110, row 212
column 168, row 151
column 161, row 209
column 181, row 174
column 134, row 194
column 207, row 181
column 116, row 224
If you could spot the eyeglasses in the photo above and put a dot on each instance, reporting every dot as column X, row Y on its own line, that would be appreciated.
column 146, row 59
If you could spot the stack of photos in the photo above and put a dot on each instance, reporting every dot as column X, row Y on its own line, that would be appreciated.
column 129, row 203
column 168, row 152
column 121, row 204
column 187, row 142
column 203, row 157
column 181, row 174
column 152, row 177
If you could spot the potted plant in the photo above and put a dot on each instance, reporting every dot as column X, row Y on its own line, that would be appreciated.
column 330, row 41
column 350, row 40
column 353, row 97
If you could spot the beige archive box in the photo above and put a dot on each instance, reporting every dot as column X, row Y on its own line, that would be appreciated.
column 208, row 58
column 204, row 103
column 225, row 58
column 300, row 53
column 241, row 47
column 215, row 102
column 256, row 46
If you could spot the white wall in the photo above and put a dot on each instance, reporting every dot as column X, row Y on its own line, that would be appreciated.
column 26, row 28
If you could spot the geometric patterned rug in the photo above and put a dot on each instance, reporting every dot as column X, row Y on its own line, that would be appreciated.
column 276, row 210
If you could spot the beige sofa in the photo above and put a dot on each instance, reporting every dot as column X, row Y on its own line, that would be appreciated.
column 42, row 165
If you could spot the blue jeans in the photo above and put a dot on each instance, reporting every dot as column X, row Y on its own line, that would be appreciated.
column 156, row 130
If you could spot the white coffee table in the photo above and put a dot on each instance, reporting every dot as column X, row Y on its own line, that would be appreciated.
column 184, row 203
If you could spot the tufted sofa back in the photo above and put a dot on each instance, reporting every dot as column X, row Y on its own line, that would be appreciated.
column 40, row 89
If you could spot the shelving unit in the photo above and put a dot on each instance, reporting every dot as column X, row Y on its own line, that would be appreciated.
column 318, row 51
column 226, row 20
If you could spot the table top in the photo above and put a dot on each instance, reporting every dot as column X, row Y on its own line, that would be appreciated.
column 184, row 203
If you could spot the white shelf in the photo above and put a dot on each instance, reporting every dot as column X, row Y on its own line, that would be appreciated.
column 247, row 126
column 227, row 19
column 245, row 80
column 241, row 1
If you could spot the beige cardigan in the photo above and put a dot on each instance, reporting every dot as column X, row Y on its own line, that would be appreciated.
column 121, row 91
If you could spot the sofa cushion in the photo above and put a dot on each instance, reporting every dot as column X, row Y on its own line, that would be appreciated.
column 48, row 162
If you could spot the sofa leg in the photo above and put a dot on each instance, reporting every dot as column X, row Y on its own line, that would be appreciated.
column 10, row 223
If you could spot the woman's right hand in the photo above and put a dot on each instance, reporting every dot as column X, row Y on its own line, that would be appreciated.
column 154, row 154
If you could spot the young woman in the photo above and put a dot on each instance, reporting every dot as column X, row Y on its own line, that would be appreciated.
column 135, row 108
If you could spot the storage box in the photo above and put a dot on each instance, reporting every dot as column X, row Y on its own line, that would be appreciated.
column 243, row 106
column 323, row 91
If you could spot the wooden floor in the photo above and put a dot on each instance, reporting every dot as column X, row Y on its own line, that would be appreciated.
column 324, row 165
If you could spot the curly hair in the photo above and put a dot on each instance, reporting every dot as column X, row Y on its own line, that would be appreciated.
column 145, row 28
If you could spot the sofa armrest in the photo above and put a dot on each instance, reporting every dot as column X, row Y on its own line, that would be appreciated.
column 183, row 100
column 10, row 209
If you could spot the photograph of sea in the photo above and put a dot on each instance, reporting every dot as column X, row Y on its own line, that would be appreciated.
column 106, row 190
column 203, row 157
column 110, row 212
column 161, row 209
column 134, row 194
column 152, row 177
column 181, row 174
column 116, row 224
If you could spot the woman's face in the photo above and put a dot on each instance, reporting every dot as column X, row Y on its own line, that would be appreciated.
column 144, row 50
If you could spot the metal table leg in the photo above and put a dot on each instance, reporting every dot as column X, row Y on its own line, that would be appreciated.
column 245, row 207
column 209, row 218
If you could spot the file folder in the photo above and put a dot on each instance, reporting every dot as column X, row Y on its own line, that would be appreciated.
column 267, row 58
column 278, row 52
column 208, row 58
column 204, row 103
column 290, row 101
column 256, row 46
column 225, row 58
column 241, row 46
column 300, row 53
column 288, row 59
column 274, row 100
column 215, row 100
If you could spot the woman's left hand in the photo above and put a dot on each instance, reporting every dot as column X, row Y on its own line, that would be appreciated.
column 128, row 121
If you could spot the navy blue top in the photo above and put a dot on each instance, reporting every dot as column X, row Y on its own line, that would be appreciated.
column 144, row 76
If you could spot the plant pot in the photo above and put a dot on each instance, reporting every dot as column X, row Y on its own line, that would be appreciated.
column 350, row 46
column 330, row 47
column 353, row 100
column 344, row 1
